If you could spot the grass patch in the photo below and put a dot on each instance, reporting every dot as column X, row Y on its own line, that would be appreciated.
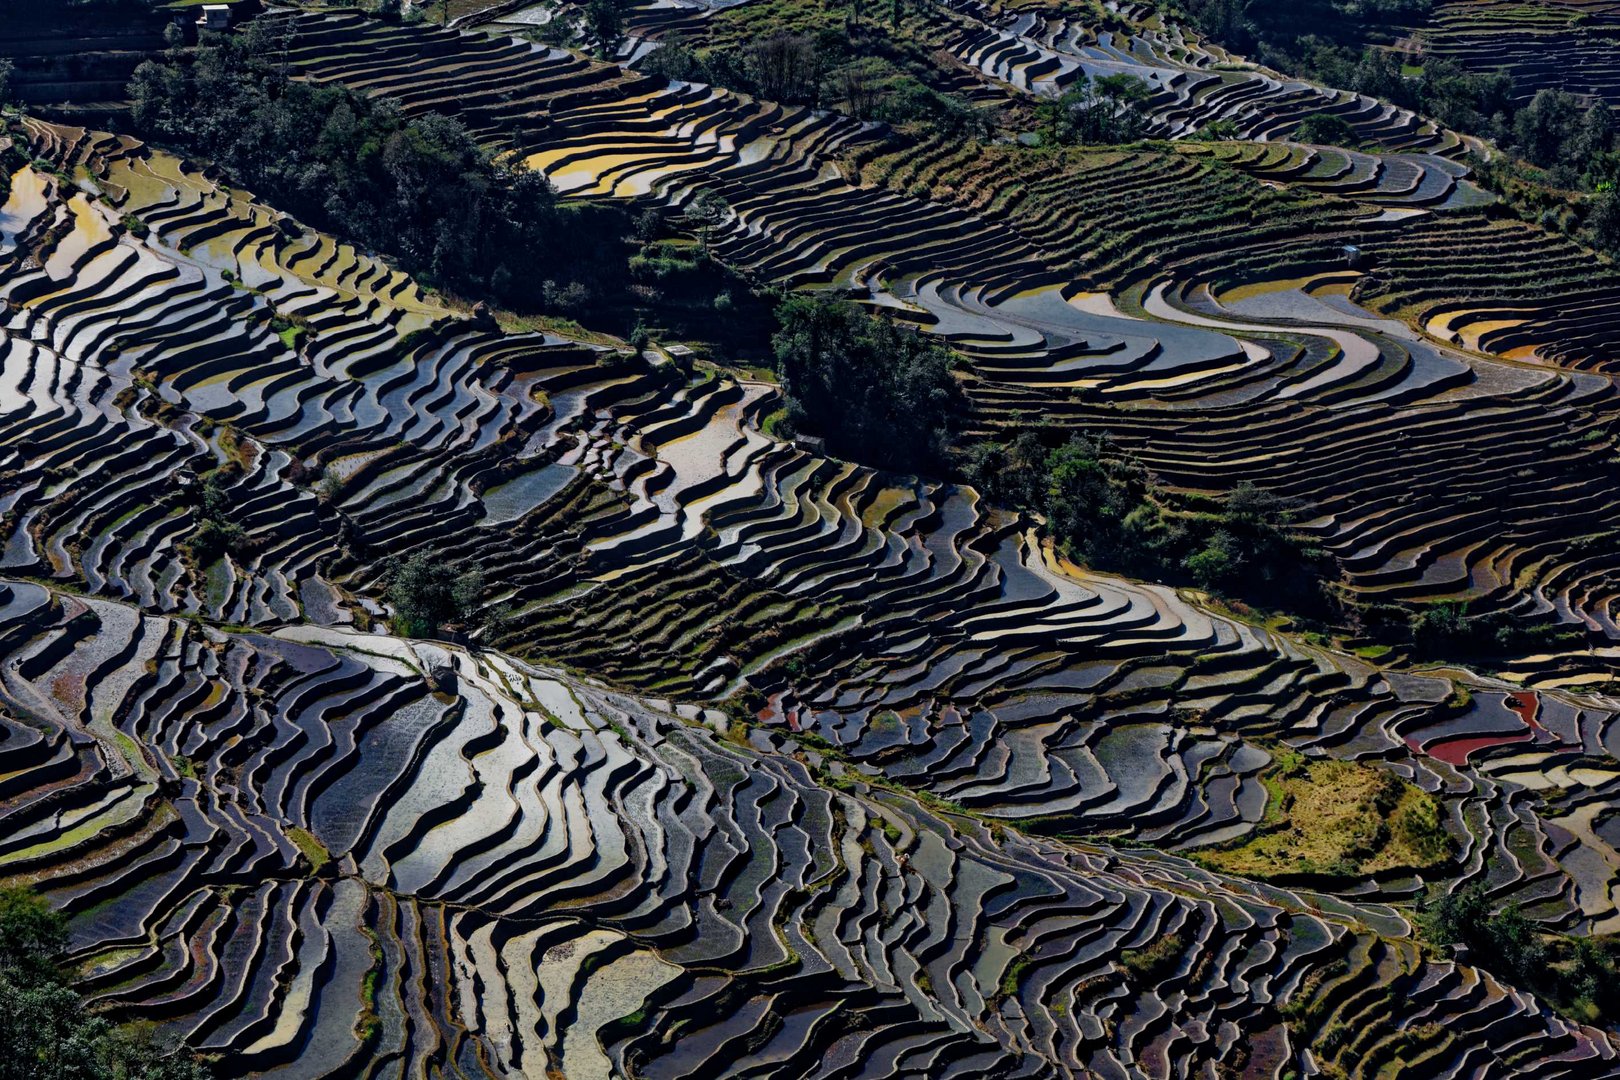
column 1336, row 819
column 769, row 424
column 1154, row 963
column 312, row 849
column 1015, row 974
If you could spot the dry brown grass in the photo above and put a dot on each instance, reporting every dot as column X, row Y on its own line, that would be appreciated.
column 1337, row 818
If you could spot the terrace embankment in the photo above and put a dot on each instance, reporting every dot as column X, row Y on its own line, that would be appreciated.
column 70, row 57
column 279, row 829
column 1481, row 471
column 633, row 523
column 1568, row 46
column 529, row 873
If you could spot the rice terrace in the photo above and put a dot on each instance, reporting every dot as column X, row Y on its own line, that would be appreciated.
column 679, row 539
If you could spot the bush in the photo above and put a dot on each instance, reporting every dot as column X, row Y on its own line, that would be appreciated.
column 877, row 391
column 428, row 592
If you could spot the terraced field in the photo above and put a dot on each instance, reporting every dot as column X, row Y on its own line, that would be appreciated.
column 173, row 778
column 768, row 763
column 1004, row 257
column 1046, row 50
column 1566, row 46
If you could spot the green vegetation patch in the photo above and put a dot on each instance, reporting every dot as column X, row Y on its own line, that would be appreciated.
column 1337, row 819
column 1152, row 964
column 1578, row 975
column 312, row 848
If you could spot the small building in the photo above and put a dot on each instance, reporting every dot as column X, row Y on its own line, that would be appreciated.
column 215, row 17
column 813, row 444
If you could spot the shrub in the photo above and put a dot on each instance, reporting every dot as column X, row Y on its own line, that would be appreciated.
column 1152, row 965
column 878, row 392
column 427, row 592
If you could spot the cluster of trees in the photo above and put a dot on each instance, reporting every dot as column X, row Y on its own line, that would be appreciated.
column 428, row 592
column 46, row 1033
column 1109, row 109
column 217, row 529
column 1104, row 510
column 1578, row 975
column 679, row 286
column 420, row 190
column 1445, row 628
column 1268, row 29
column 1574, row 141
column 876, row 391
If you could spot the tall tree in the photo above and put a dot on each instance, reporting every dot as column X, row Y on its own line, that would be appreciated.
column 877, row 391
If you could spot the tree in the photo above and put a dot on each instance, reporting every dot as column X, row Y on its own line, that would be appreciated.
column 877, row 391
column 1595, row 137
column 677, row 63
column 1603, row 221
column 1216, row 563
column 6, row 71
column 1108, row 109
column 45, row 1031
column 1327, row 129
column 706, row 211
column 1544, row 130
column 428, row 592
column 649, row 223
column 785, row 68
column 217, row 529
column 605, row 22
column 1009, row 474
column 858, row 89
column 32, row 935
